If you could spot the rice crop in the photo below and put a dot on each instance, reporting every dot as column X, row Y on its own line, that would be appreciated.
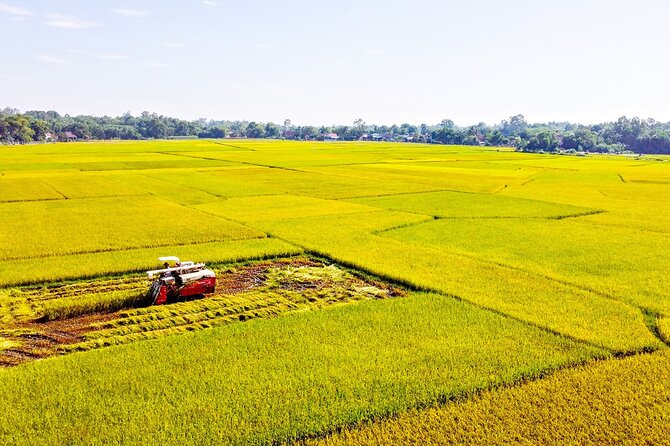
column 277, row 379
column 270, row 208
column 430, row 177
column 557, row 306
column 26, row 189
column 534, row 262
column 570, row 250
column 318, row 184
column 450, row 204
column 279, row 289
column 618, row 401
column 37, row 270
column 81, row 315
column 99, row 224
column 88, row 186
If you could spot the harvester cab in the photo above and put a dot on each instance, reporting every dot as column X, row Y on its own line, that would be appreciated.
column 179, row 280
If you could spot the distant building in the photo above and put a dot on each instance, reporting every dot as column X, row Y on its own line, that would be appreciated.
column 48, row 136
column 69, row 136
column 330, row 137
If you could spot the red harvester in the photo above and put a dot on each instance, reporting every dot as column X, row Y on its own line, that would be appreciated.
column 179, row 280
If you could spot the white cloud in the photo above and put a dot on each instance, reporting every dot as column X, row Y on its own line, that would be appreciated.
column 111, row 57
column 264, row 45
column 66, row 21
column 157, row 65
column 209, row 2
column 130, row 12
column 173, row 45
column 73, row 51
column 14, row 10
column 51, row 59
column 375, row 52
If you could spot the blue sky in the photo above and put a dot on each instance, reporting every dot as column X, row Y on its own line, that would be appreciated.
column 330, row 62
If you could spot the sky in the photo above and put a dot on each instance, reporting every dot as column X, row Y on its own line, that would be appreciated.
column 331, row 62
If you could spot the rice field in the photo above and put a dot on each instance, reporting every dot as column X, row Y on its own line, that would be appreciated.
column 570, row 407
column 369, row 293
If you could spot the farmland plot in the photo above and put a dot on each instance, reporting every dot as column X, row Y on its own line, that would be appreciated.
column 447, row 204
column 569, row 407
column 278, row 379
column 26, row 189
column 48, row 319
column 590, row 259
column 103, row 224
column 35, row 270
column 578, row 313
column 513, row 265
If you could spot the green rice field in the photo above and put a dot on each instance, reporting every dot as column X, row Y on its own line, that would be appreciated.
column 369, row 293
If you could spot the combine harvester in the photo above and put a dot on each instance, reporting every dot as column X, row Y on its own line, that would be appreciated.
column 179, row 281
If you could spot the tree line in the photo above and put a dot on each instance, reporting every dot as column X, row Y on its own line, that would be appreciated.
column 623, row 135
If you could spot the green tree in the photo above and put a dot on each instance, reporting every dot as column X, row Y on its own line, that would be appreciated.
column 495, row 138
column 255, row 130
column 542, row 141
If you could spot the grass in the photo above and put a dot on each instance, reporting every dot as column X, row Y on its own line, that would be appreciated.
column 572, row 407
column 338, row 366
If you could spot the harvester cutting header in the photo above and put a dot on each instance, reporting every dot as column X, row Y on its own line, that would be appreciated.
column 179, row 280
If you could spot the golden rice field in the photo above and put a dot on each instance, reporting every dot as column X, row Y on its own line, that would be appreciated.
column 369, row 293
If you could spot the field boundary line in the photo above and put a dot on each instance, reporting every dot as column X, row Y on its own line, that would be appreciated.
column 245, row 163
column 195, row 157
column 216, row 198
column 518, row 268
column 471, row 395
column 412, row 286
column 361, row 177
column 65, row 197
column 650, row 316
column 651, row 320
column 439, row 217
column 148, row 176
column 32, row 200
column 409, row 162
column 400, row 194
column 580, row 214
column 249, row 149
